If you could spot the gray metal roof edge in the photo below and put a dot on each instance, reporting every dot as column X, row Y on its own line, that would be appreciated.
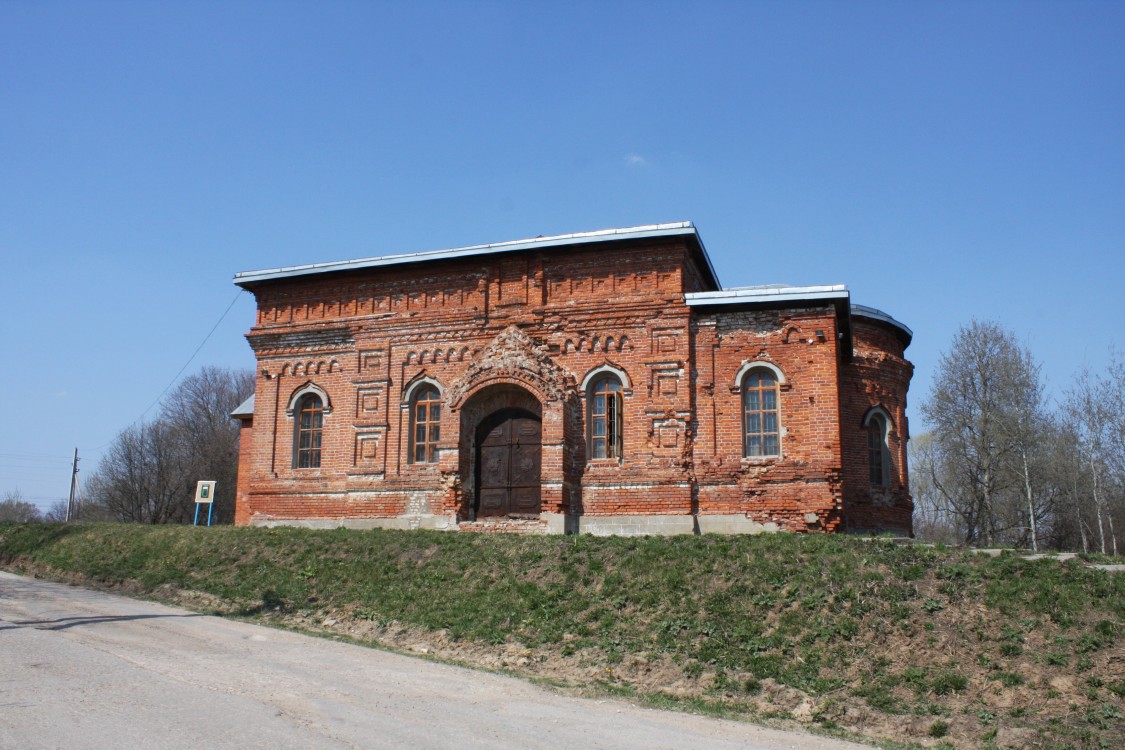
column 245, row 409
column 671, row 229
column 743, row 295
column 862, row 311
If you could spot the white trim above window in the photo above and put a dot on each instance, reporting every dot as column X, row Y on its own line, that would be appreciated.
column 877, row 424
column 606, row 369
column 749, row 365
column 408, row 394
column 304, row 390
column 881, row 412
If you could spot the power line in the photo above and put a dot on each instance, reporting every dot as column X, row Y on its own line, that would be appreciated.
column 172, row 382
column 34, row 469
column 34, row 456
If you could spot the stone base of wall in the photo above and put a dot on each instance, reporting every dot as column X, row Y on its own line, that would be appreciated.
column 507, row 526
column 440, row 523
column 654, row 525
column 733, row 523
column 548, row 523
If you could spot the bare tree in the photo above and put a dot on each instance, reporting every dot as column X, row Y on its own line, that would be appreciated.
column 1071, row 522
column 14, row 509
column 1001, row 466
column 57, row 512
column 986, row 410
column 1095, row 408
column 935, row 519
column 199, row 412
column 1024, row 424
column 150, row 471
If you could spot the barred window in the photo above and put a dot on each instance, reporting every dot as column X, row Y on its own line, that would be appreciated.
column 604, row 419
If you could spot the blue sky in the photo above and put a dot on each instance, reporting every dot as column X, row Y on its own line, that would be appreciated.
column 944, row 160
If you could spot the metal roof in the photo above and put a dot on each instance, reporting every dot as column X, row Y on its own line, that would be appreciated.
column 766, row 293
column 871, row 313
column 673, row 229
column 245, row 410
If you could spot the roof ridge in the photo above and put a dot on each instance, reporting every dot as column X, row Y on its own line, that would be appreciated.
column 677, row 228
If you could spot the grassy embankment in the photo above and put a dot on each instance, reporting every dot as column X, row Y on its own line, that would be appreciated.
column 929, row 647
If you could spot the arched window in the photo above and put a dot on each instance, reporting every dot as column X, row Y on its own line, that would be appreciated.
column 310, row 426
column 604, row 422
column 878, row 457
column 425, row 424
column 761, row 423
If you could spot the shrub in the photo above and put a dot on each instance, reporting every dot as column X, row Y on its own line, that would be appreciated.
column 1008, row 679
column 948, row 681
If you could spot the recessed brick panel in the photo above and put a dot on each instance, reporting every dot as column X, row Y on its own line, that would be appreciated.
column 363, row 337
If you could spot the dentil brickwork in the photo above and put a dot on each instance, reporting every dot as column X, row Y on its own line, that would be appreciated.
column 648, row 399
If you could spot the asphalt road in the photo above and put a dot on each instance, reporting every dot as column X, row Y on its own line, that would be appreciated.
column 85, row 669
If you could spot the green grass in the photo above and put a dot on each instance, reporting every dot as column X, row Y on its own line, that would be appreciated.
column 815, row 613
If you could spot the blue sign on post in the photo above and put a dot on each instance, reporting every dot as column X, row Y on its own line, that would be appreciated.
column 204, row 495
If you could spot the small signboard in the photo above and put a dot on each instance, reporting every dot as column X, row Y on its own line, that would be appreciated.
column 204, row 492
column 204, row 495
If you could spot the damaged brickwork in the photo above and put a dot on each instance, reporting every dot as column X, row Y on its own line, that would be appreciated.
column 530, row 330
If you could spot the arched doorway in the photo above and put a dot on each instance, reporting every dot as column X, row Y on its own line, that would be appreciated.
column 509, row 418
column 509, row 457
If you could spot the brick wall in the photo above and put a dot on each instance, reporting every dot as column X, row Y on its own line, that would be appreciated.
column 529, row 328
column 800, row 343
column 877, row 377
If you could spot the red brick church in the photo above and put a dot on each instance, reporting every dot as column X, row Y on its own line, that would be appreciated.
column 600, row 382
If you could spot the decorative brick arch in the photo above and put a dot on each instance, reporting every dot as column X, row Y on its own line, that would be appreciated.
column 485, row 401
column 308, row 388
column 750, row 364
column 414, row 384
column 513, row 358
column 609, row 368
column 878, row 410
column 513, row 362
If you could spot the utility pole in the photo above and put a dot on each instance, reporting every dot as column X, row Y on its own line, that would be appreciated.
column 71, row 508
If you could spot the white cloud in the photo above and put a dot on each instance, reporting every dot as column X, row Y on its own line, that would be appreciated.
column 635, row 160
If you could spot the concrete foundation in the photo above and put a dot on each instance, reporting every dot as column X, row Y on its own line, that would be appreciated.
column 439, row 523
column 557, row 523
column 733, row 523
column 654, row 525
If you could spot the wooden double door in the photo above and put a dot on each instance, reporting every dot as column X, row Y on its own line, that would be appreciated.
column 509, row 457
